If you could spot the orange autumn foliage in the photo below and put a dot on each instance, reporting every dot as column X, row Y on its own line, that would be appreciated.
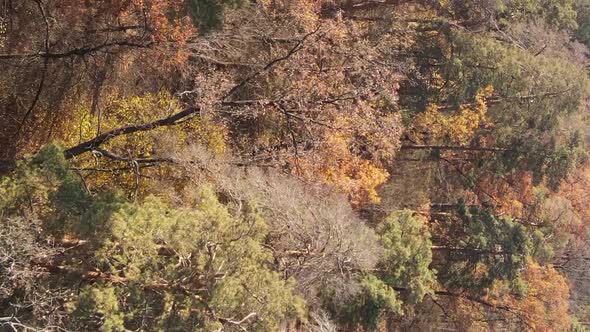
column 576, row 190
column 511, row 195
column 348, row 173
column 545, row 304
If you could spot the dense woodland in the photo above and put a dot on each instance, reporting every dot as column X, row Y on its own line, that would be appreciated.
column 294, row 165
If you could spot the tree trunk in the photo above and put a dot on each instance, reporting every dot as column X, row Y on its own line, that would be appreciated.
column 449, row 147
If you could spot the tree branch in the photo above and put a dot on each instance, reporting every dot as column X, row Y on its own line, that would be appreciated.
column 449, row 147
column 238, row 323
column 80, row 51
column 43, row 73
column 298, row 46
column 103, row 138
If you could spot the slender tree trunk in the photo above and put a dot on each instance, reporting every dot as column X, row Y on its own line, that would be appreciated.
column 449, row 147
column 470, row 251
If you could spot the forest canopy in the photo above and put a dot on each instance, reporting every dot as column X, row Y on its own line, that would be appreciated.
column 294, row 165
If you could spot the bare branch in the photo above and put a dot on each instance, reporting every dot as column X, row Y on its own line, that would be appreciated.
column 80, row 51
column 298, row 46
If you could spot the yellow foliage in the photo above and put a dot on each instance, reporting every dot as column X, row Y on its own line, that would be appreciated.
column 142, row 109
column 455, row 128
column 119, row 112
